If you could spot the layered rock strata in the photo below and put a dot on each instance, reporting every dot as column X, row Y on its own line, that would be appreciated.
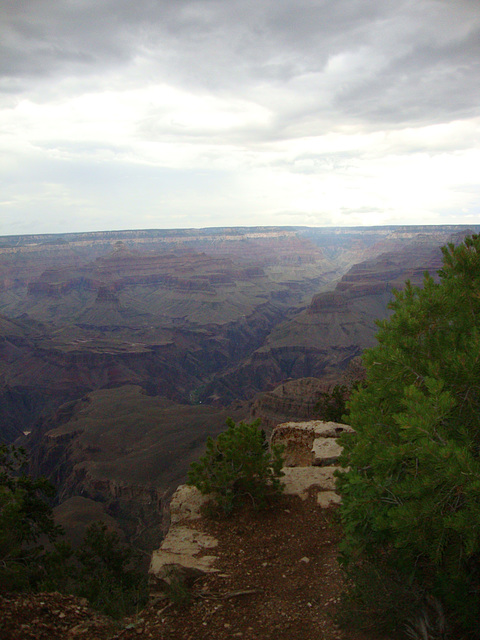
column 311, row 454
column 292, row 400
column 321, row 340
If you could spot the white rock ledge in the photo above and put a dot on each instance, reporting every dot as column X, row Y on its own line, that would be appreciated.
column 299, row 481
column 310, row 453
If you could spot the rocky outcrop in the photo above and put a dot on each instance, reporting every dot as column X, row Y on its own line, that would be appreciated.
column 310, row 454
column 185, row 548
column 293, row 400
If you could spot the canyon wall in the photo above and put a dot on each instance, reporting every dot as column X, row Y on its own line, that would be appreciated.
column 120, row 352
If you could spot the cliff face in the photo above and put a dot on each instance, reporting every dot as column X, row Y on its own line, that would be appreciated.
column 151, row 256
column 152, row 308
column 173, row 363
column 335, row 328
column 166, row 320
column 23, row 396
column 125, row 450
column 293, row 400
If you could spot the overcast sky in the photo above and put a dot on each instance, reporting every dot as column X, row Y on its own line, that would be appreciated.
column 123, row 114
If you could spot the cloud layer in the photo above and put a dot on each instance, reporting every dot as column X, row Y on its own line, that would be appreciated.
column 204, row 112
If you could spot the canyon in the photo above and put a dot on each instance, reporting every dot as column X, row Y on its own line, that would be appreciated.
column 122, row 351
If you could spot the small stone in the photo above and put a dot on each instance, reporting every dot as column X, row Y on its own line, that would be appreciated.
column 305, row 559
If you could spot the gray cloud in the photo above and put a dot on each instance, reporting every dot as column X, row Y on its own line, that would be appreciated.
column 415, row 60
column 275, row 72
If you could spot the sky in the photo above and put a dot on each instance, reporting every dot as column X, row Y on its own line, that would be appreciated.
column 142, row 114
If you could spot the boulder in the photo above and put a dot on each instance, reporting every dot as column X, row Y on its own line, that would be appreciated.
column 325, row 451
column 327, row 499
column 186, row 504
column 184, row 546
column 309, row 443
column 299, row 481
column 173, row 578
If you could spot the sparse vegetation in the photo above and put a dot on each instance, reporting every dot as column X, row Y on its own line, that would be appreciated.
column 412, row 491
column 33, row 554
column 176, row 588
column 107, row 574
column 25, row 519
column 331, row 406
column 238, row 466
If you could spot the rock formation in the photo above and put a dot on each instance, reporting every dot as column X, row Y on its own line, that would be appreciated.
column 321, row 340
column 310, row 455
column 292, row 400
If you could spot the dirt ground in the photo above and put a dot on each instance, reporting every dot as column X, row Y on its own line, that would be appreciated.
column 278, row 579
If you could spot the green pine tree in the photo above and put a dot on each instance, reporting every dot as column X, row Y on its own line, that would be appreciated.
column 26, row 521
column 411, row 496
column 238, row 467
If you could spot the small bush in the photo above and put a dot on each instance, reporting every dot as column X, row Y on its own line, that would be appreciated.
column 378, row 596
column 26, row 520
column 239, row 467
column 177, row 590
column 107, row 573
column 331, row 407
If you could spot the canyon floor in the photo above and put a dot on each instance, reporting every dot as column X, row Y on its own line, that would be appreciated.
column 278, row 579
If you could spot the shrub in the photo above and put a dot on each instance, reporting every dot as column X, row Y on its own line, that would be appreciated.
column 413, row 486
column 378, row 596
column 103, row 570
column 25, row 519
column 239, row 467
column 107, row 573
column 331, row 406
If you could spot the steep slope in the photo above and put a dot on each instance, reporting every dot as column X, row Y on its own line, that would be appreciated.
column 25, row 395
column 165, row 320
column 337, row 325
column 125, row 450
